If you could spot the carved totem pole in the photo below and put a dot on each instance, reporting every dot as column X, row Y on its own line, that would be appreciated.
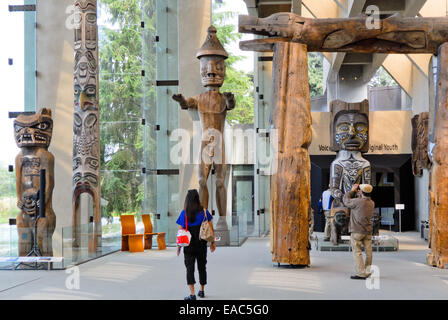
column 349, row 137
column 212, row 106
column 86, row 130
column 33, row 135
column 438, row 183
column 420, row 158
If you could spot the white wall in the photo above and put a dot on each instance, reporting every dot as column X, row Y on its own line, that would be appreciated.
column 420, row 103
column 55, row 91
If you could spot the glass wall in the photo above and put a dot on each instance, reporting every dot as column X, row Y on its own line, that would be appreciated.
column 138, row 75
column 18, row 85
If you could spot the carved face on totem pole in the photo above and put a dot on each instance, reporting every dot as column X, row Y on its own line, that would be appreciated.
column 349, row 126
column 351, row 131
column 213, row 71
column 212, row 60
column 35, row 130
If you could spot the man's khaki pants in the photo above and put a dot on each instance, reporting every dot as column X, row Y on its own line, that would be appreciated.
column 358, row 240
column 327, row 231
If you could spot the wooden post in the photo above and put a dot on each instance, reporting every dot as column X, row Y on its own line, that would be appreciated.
column 290, row 184
column 438, row 238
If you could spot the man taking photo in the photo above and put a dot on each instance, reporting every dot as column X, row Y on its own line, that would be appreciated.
column 360, row 228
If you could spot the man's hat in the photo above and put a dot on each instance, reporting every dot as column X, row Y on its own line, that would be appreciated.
column 212, row 46
column 366, row 188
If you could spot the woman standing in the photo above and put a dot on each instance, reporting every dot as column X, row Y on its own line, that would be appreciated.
column 195, row 214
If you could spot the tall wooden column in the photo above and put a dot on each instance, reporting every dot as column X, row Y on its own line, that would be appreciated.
column 438, row 239
column 290, row 184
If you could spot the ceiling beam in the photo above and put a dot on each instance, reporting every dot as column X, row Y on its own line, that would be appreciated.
column 412, row 9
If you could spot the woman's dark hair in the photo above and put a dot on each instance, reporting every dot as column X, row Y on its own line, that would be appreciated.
column 192, row 205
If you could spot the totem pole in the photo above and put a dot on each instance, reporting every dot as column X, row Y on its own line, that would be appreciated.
column 420, row 158
column 438, row 181
column 349, row 137
column 33, row 135
column 212, row 106
column 86, row 130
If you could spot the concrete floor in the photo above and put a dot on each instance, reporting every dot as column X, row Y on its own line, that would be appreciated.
column 237, row 273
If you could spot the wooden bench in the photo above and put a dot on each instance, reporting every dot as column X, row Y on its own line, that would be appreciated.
column 146, row 218
column 130, row 240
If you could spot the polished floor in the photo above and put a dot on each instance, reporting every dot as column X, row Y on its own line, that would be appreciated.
column 244, row 272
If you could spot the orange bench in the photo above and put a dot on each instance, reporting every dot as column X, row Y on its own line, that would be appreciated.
column 146, row 218
column 130, row 241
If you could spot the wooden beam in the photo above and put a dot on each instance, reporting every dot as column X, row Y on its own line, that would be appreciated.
column 262, row 45
column 290, row 184
column 395, row 34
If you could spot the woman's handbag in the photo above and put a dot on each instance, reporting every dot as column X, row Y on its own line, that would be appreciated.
column 183, row 236
column 206, row 232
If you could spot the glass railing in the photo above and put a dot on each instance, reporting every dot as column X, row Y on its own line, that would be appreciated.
column 76, row 245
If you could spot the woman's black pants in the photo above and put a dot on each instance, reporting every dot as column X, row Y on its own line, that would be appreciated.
column 190, row 256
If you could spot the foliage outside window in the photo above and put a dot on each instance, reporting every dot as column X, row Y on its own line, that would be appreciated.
column 125, row 49
column 239, row 82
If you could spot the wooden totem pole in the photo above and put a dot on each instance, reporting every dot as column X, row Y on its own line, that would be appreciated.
column 420, row 159
column 212, row 106
column 33, row 135
column 438, row 221
column 86, row 130
column 349, row 137
column 291, row 37
column 290, row 191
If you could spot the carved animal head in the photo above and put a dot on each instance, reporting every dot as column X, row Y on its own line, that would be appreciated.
column 34, row 130
column 281, row 24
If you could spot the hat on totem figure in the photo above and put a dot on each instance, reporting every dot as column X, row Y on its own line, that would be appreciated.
column 366, row 188
column 212, row 46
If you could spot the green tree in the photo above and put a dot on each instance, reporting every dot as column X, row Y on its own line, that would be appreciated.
column 382, row 79
column 315, row 73
column 125, row 98
column 239, row 82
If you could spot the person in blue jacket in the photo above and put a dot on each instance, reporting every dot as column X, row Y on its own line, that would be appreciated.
column 197, row 250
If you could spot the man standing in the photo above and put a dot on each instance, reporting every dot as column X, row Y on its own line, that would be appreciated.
column 360, row 227
column 326, row 207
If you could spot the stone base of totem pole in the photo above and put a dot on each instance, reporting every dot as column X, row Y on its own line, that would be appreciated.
column 222, row 233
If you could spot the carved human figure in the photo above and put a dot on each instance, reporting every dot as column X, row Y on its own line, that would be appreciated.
column 349, row 138
column 212, row 106
column 33, row 135
column 86, row 144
